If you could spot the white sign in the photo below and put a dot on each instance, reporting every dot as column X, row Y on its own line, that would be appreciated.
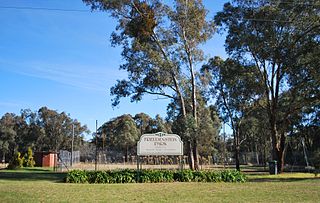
column 160, row 144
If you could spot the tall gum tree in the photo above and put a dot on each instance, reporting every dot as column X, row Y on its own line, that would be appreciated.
column 234, row 90
column 160, row 49
column 281, row 40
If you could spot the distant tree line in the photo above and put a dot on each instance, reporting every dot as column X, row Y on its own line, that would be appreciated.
column 122, row 133
column 43, row 130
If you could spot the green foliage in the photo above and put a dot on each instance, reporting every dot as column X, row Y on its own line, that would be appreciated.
column 120, row 133
column 316, row 162
column 78, row 176
column 316, row 159
column 45, row 130
column 16, row 162
column 184, row 176
column 29, row 160
column 213, row 176
column 19, row 161
column 7, row 133
column 200, row 176
column 153, row 176
column 232, row 176
column 281, row 61
column 123, row 176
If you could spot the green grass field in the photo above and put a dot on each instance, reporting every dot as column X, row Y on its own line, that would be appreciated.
column 37, row 185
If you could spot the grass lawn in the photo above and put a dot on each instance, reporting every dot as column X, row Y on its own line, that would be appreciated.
column 36, row 185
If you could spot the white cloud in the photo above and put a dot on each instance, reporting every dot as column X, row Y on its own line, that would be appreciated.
column 80, row 76
column 9, row 104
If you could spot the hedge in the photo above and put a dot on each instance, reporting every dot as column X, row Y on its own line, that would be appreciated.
column 153, row 176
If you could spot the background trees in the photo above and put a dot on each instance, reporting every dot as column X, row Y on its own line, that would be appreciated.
column 44, row 130
column 122, row 133
column 279, row 39
column 234, row 90
column 7, row 135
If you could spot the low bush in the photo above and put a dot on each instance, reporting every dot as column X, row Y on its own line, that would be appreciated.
column 232, row 176
column 19, row 161
column 28, row 158
column 80, row 176
column 153, row 176
column 184, row 175
column 16, row 162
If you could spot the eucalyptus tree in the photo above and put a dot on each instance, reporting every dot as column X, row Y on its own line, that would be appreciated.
column 34, row 133
column 160, row 125
column 143, row 123
column 121, row 134
column 281, row 40
column 7, row 135
column 254, row 130
column 58, row 130
column 160, row 49
column 208, row 130
column 42, row 130
column 127, row 134
column 234, row 90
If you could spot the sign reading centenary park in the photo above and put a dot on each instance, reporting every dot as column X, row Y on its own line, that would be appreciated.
column 160, row 144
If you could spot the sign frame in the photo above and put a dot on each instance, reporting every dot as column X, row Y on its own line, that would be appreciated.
column 162, row 152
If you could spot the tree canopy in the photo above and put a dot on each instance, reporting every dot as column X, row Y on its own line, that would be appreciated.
column 44, row 130
column 160, row 47
column 280, row 40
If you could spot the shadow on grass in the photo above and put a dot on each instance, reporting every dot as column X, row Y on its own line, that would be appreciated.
column 38, row 169
column 32, row 176
column 283, row 179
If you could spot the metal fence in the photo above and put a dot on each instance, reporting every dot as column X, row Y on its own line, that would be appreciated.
column 64, row 158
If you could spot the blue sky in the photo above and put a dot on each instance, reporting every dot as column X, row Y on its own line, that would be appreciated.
column 64, row 60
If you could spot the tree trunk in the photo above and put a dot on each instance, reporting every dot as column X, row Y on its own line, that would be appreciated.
column 281, row 153
column 264, row 155
column 237, row 159
column 257, row 153
column 190, row 155
column 278, row 145
column 278, row 154
column 279, row 158
column 195, row 154
column 126, row 157
column 3, row 157
column 237, row 149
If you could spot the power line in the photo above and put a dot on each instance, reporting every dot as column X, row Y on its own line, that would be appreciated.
column 43, row 8
column 289, row 3
column 293, row 3
column 80, row 10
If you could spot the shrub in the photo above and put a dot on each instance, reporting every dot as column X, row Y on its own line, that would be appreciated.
column 184, row 176
column 213, row 176
column 77, row 176
column 29, row 160
column 232, row 176
column 157, row 176
column 152, row 176
column 200, row 176
column 16, row 162
column 168, row 176
column 123, row 176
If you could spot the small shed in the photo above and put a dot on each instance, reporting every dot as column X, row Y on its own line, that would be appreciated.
column 45, row 159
